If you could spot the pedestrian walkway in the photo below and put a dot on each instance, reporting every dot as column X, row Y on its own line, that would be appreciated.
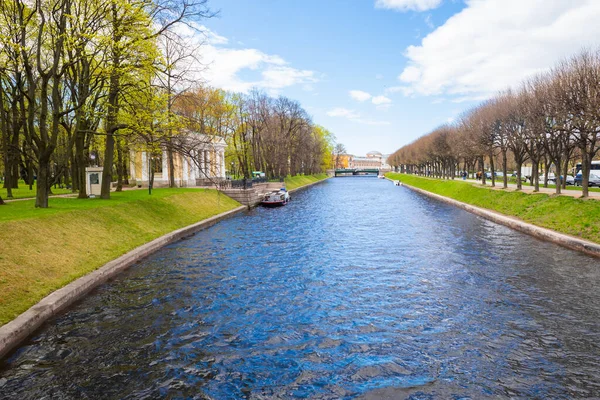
column 52, row 196
column 526, row 188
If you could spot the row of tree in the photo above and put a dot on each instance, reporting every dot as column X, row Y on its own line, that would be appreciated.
column 83, row 82
column 552, row 119
column 273, row 135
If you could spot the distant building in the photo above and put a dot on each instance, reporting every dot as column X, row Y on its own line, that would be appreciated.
column 209, row 164
column 343, row 161
column 372, row 160
column 365, row 162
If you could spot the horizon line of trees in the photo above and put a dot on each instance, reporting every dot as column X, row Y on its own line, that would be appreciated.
column 86, row 82
column 551, row 119
column 274, row 135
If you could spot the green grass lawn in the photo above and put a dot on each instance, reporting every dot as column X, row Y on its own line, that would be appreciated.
column 23, row 191
column 576, row 217
column 294, row 182
column 45, row 249
column 25, row 209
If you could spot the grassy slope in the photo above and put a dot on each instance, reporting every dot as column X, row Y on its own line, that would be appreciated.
column 46, row 249
column 564, row 214
column 293, row 182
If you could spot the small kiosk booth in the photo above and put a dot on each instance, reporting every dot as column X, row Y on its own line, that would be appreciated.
column 93, row 181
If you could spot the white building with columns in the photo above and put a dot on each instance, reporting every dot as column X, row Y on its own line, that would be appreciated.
column 203, row 165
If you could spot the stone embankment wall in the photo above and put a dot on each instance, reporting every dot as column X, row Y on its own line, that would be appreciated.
column 14, row 332
column 252, row 196
column 549, row 235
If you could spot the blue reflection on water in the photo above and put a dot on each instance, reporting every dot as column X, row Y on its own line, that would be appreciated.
column 356, row 288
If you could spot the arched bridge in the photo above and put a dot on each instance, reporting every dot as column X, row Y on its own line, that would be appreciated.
column 356, row 171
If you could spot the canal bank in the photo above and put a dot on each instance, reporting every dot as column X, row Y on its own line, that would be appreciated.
column 569, row 222
column 253, row 194
column 353, row 287
column 68, row 291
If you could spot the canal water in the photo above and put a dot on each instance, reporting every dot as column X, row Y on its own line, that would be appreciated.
column 357, row 288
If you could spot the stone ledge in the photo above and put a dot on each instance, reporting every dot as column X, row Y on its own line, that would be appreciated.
column 19, row 329
column 549, row 235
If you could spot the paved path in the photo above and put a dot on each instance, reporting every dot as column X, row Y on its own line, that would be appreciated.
column 66, row 195
column 529, row 189
column 33, row 198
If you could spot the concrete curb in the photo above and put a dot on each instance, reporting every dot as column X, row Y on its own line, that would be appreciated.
column 549, row 235
column 19, row 329
column 309, row 185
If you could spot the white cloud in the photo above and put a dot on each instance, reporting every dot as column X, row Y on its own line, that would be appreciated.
column 408, row 5
column 222, row 66
column 353, row 116
column 405, row 90
column 276, row 77
column 342, row 112
column 213, row 38
column 359, row 95
column 382, row 102
column 492, row 44
column 428, row 22
column 377, row 100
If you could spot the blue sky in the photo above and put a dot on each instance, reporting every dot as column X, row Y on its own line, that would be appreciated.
column 380, row 73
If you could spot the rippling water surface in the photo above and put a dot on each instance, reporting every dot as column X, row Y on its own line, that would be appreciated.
column 356, row 288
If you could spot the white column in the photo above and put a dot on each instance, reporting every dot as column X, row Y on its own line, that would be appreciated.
column 165, row 167
column 218, row 164
column 209, row 164
column 192, row 165
column 144, row 166
column 222, row 163
column 185, row 173
column 132, row 157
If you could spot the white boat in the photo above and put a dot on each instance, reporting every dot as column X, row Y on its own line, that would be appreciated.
column 397, row 183
column 276, row 198
column 381, row 176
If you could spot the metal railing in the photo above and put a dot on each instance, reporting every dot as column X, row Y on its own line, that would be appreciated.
column 244, row 183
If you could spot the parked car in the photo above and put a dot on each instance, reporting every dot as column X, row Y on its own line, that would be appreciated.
column 570, row 180
column 594, row 179
column 498, row 174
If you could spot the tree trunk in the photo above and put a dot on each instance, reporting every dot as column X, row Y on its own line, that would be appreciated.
column 119, row 166
column 585, row 172
column 109, row 153
column 565, row 169
column 481, row 168
column 151, row 174
column 557, row 175
column 74, row 174
column 7, row 173
column 492, row 169
column 171, row 160
column 504, row 171
column 519, row 165
column 41, row 197
column 113, row 105
column 535, row 175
